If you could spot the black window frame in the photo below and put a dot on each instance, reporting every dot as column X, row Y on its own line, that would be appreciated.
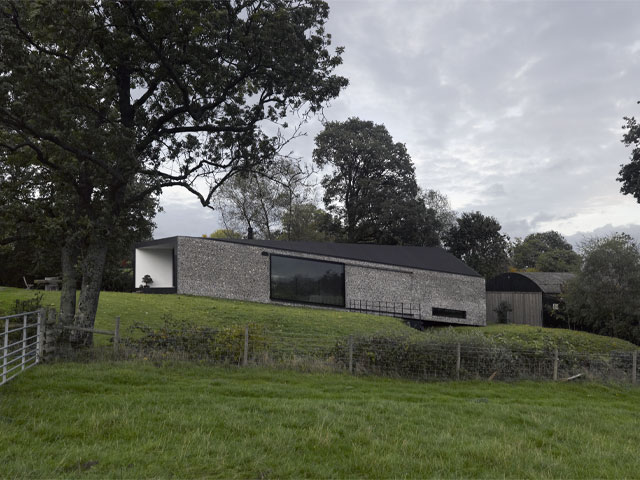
column 448, row 313
column 329, row 305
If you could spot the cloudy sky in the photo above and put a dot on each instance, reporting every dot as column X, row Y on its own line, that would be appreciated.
column 511, row 108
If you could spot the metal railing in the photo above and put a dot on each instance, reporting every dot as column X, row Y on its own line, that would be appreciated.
column 391, row 309
column 21, row 343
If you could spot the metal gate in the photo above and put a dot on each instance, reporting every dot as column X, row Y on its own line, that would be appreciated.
column 21, row 343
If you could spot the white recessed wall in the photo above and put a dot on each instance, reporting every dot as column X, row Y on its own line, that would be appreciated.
column 157, row 262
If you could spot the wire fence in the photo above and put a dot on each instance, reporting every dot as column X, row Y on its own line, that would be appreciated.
column 397, row 356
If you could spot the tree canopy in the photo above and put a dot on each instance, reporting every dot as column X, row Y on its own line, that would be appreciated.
column 544, row 252
column 113, row 101
column 371, row 189
column 603, row 298
column 630, row 172
column 477, row 241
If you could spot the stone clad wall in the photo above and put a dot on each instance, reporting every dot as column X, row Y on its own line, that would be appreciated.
column 230, row 270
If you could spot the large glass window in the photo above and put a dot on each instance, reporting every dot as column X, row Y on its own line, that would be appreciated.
column 307, row 281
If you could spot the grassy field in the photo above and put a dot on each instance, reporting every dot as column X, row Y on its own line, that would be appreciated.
column 138, row 421
column 316, row 324
column 151, row 309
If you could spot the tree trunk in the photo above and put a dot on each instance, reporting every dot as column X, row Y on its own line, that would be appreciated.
column 92, row 268
column 69, row 282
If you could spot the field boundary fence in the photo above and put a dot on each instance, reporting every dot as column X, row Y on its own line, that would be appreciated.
column 379, row 354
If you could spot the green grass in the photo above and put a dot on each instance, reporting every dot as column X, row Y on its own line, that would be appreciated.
column 132, row 420
column 565, row 340
column 319, row 326
column 150, row 310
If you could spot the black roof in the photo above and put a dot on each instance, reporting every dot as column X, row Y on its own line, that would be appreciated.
column 545, row 282
column 422, row 258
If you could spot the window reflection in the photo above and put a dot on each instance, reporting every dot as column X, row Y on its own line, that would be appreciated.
column 307, row 281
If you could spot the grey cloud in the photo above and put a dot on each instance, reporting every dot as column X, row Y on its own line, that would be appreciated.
column 527, row 95
column 187, row 218
column 630, row 229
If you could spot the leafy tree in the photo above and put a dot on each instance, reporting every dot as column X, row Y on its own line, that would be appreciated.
column 224, row 233
column 372, row 188
column 113, row 101
column 261, row 201
column 248, row 201
column 558, row 260
column 545, row 252
column 445, row 216
column 477, row 241
column 630, row 173
column 603, row 298
column 306, row 222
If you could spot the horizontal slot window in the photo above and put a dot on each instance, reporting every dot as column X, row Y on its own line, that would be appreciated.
column 307, row 281
column 449, row 313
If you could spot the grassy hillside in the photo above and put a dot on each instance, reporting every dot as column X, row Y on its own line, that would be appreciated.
column 315, row 324
column 132, row 420
column 527, row 336
column 152, row 309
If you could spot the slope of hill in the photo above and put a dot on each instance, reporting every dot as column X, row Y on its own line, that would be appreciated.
column 312, row 323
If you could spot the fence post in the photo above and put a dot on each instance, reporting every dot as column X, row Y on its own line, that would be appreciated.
column 555, row 364
column 245, row 357
column 458, row 361
column 116, row 335
column 350, row 353
column 24, row 341
column 634, row 368
column 5, row 351
column 40, row 335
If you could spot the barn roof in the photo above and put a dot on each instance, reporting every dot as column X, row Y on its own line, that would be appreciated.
column 422, row 258
column 545, row 282
column 549, row 282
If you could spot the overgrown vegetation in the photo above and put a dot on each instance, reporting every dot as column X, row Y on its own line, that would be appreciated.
column 604, row 296
column 479, row 356
column 186, row 421
column 196, row 342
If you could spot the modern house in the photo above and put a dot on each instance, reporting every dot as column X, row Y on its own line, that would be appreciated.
column 531, row 296
column 423, row 284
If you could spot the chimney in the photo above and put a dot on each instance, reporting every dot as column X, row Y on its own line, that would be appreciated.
column 250, row 233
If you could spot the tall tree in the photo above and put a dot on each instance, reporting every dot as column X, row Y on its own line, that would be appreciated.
column 477, row 241
column 306, row 222
column 445, row 216
column 372, row 186
column 545, row 252
column 603, row 298
column 261, row 200
column 630, row 173
column 116, row 100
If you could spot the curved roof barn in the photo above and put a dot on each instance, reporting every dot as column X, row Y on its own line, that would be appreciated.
column 545, row 282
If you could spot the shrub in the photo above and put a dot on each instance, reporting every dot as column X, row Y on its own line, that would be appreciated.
column 197, row 342
column 28, row 305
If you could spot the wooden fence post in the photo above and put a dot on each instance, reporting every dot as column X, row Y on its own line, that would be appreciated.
column 116, row 335
column 245, row 357
column 555, row 365
column 350, row 353
column 458, row 361
column 634, row 367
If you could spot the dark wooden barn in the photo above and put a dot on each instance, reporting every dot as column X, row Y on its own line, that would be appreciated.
column 530, row 295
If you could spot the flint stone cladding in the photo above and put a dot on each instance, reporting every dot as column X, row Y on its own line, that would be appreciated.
column 222, row 269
